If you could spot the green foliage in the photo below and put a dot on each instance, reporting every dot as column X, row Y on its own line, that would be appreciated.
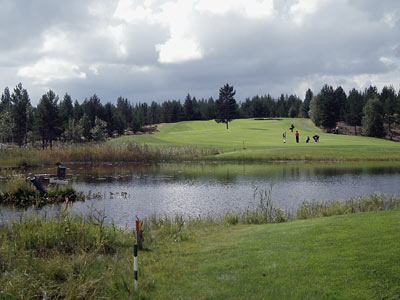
column 66, row 110
column 86, row 126
column 390, row 107
column 73, row 131
column 47, row 121
column 65, row 257
column 265, row 212
column 354, row 109
column 17, row 184
column 21, row 113
column 328, row 107
column 226, row 105
column 305, row 107
column 73, row 258
column 372, row 121
column 188, row 108
column 99, row 131
column 7, row 125
column 376, row 202
column 315, row 111
column 18, row 192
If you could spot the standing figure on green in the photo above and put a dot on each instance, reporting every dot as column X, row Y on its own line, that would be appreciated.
column 297, row 136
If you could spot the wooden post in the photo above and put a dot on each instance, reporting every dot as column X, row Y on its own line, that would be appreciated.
column 139, row 234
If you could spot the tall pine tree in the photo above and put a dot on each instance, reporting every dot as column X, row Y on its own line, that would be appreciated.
column 21, row 107
column 226, row 105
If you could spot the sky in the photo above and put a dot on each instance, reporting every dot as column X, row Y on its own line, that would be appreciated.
column 158, row 50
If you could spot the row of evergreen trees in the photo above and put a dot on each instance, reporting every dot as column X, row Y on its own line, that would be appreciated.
column 376, row 112
column 62, row 119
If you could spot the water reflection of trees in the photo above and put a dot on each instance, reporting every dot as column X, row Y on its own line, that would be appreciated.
column 219, row 172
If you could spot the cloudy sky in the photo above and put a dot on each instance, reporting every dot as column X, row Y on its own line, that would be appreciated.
column 148, row 50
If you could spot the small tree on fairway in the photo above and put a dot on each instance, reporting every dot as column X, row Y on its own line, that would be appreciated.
column 226, row 105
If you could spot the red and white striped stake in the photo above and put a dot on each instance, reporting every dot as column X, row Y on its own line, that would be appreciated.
column 135, row 259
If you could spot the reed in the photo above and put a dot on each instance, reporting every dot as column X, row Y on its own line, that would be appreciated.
column 375, row 202
column 104, row 152
column 264, row 211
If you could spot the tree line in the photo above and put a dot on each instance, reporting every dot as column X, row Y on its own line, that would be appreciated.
column 63, row 119
column 377, row 112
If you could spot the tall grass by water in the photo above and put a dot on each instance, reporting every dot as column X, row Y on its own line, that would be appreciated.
column 71, row 257
column 264, row 211
column 98, row 153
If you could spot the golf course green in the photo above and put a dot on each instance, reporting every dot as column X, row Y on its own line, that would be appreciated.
column 261, row 139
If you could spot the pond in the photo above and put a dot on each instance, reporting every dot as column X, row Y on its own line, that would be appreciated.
column 123, row 192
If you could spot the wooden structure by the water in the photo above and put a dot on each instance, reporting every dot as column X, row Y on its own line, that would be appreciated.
column 58, row 181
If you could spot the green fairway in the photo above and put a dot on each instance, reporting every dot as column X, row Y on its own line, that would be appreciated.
column 250, row 139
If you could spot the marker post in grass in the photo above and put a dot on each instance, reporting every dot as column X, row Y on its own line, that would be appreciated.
column 135, row 258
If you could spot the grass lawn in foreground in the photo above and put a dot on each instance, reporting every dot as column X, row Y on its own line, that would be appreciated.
column 262, row 139
column 353, row 256
column 343, row 257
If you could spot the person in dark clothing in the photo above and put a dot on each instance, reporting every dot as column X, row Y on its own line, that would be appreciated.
column 291, row 127
column 308, row 139
column 297, row 136
column 316, row 138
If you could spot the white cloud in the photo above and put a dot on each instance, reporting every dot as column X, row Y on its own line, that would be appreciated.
column 179, row 17
column 95, row 69
column 118, row 35
column 142, row 69
column 50, row 69
column 55, row 41
column 302, row 8
column 127, row 11
column 391, row 18
column 385, row 60
column 247, row 8
column 177, row 50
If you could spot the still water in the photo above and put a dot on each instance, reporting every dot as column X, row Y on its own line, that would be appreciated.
column 123, row 192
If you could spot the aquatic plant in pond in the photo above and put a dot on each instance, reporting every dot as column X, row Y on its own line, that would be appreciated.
column 19, row 193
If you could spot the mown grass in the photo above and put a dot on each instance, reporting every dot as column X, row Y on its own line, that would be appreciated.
column 246, row 140
column 256, row 140
column 352, row 256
